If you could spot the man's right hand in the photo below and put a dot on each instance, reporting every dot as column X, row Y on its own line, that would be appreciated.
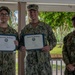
column 70, row 67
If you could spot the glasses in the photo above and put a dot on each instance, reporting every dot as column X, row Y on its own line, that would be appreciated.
column 2, row 14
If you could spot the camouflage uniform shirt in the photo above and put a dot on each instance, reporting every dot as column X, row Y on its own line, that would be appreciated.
column 37, row 62
column 69, row 51
column 7, row 59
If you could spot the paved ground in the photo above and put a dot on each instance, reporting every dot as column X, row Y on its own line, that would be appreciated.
column 58, row 73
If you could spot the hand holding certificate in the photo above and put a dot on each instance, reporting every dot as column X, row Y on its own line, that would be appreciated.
column 33, row 42
column 7, row 43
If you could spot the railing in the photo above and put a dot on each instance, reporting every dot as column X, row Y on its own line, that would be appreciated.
column 58, row 65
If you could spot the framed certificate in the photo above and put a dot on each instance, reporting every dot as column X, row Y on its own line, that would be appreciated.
column 34, row 42
column 7, row 42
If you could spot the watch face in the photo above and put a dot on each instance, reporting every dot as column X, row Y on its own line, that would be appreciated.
column 6, row 40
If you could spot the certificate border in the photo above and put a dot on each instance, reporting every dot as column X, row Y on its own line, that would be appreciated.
column 9, row 35
column 36, row 48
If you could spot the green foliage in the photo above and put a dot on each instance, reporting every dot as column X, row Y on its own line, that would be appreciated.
column 56, row 19
column 12, row 21
column 59, row 21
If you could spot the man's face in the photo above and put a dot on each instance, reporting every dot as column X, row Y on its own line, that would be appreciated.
column 4, row 17
column 33, row 14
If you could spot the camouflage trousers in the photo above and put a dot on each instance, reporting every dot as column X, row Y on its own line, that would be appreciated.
column 7, row 63
column 38, row 69
column 37, row 63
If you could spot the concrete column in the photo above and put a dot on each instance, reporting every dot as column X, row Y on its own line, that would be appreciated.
column 21, row 24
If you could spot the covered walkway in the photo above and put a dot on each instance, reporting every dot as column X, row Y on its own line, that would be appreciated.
column 44, row 5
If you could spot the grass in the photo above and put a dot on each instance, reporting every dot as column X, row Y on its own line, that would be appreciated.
column 16, row 63
column 58, row 66
column 56, row 50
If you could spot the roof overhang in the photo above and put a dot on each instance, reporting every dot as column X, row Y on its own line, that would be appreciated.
column 44, row 5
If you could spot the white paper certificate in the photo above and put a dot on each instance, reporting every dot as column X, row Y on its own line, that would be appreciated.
column 33, row 41
column 7, row 43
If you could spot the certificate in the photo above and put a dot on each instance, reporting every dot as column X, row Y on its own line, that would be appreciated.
column 7, row 42
column 33, row 42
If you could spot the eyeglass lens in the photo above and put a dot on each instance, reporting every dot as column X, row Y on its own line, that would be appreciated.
column 6, row 14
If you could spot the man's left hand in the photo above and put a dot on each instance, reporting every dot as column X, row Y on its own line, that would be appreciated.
column 46, row 49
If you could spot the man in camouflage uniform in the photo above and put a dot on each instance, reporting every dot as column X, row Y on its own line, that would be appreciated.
column 69, row 51
column 7, row 59
column 37, row 62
